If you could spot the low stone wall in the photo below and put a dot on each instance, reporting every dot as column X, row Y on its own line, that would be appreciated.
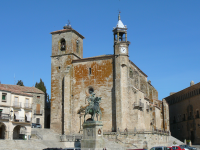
column 138, row 140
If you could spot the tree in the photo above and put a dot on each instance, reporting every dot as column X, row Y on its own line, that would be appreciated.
column 41, row 86
column 20, row 82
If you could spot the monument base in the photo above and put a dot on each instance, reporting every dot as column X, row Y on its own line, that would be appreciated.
column 92, row 135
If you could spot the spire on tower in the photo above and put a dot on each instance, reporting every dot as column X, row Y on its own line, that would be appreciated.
column 119, row 15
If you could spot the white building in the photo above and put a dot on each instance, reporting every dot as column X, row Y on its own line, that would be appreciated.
column 17, row 110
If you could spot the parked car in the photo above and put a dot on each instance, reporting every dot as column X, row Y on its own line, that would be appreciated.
column 184, row 147
column 159, row 148
column 177, row 148
column 38, row 126
column 169, row 148
column 34, row 125
column 188, row 147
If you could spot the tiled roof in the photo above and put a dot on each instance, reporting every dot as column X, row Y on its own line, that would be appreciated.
column 22, row 90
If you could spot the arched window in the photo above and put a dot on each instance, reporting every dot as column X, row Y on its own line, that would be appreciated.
column 62, row 44
column 91, row 90
column 130, row 73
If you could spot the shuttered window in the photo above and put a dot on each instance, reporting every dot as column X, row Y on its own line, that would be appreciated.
column 38, row 109
column 16, row 99
column 38, row 120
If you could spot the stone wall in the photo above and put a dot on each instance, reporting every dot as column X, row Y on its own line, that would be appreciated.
column 60, row 64
column 101, row 81
column 184, row 114
column 38, row 99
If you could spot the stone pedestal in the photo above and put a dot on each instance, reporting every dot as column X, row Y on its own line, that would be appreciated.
column 92, row 135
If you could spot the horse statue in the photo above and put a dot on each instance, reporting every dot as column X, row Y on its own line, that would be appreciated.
column 93, row 108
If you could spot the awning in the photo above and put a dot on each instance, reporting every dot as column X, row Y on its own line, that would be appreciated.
column 17, row 115
column 28, row 116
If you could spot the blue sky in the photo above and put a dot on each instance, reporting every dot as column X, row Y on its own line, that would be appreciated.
column 164, row 36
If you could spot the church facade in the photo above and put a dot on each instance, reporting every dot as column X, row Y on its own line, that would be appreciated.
column 129, row 101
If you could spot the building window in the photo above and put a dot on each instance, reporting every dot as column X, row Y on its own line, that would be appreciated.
column 16, row 102
column 90, row 71
column 197, row 116
column 62, row 44
column 130, row 73
column 77, row 46
column 174, row 121
column 4, row 97
column 183, row 117
column 38, row 109
column 38, row 97
column 27, row 103
column 38, row 120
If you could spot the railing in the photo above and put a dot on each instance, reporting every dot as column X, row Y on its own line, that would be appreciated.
column 120, row 39
column 38, row 112
column 4, row 116
column 22, row 119
column 139, row 104
column 17, row 104
column 27, row 106
column 138, row 131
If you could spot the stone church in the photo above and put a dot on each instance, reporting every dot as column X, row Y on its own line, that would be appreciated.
column 129, row 101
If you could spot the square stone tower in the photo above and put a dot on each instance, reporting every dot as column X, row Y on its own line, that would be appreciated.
column 67, row 45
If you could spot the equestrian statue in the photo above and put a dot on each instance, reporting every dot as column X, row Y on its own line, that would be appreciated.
column 93, row 108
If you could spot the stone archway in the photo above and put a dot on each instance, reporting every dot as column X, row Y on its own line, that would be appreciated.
column 2, row 130
column 18, row 131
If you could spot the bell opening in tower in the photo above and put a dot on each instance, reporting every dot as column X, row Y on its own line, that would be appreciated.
column 62, row 44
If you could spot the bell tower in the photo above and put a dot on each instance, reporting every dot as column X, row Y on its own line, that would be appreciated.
column 121, row 73
column 67, row 45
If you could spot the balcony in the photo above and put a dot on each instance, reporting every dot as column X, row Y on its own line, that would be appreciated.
column 17, row 105
column 120, row 39
column 4, row 116
column 147, row 107
column 27, row 106
column 22, row 120
column 38, row 112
